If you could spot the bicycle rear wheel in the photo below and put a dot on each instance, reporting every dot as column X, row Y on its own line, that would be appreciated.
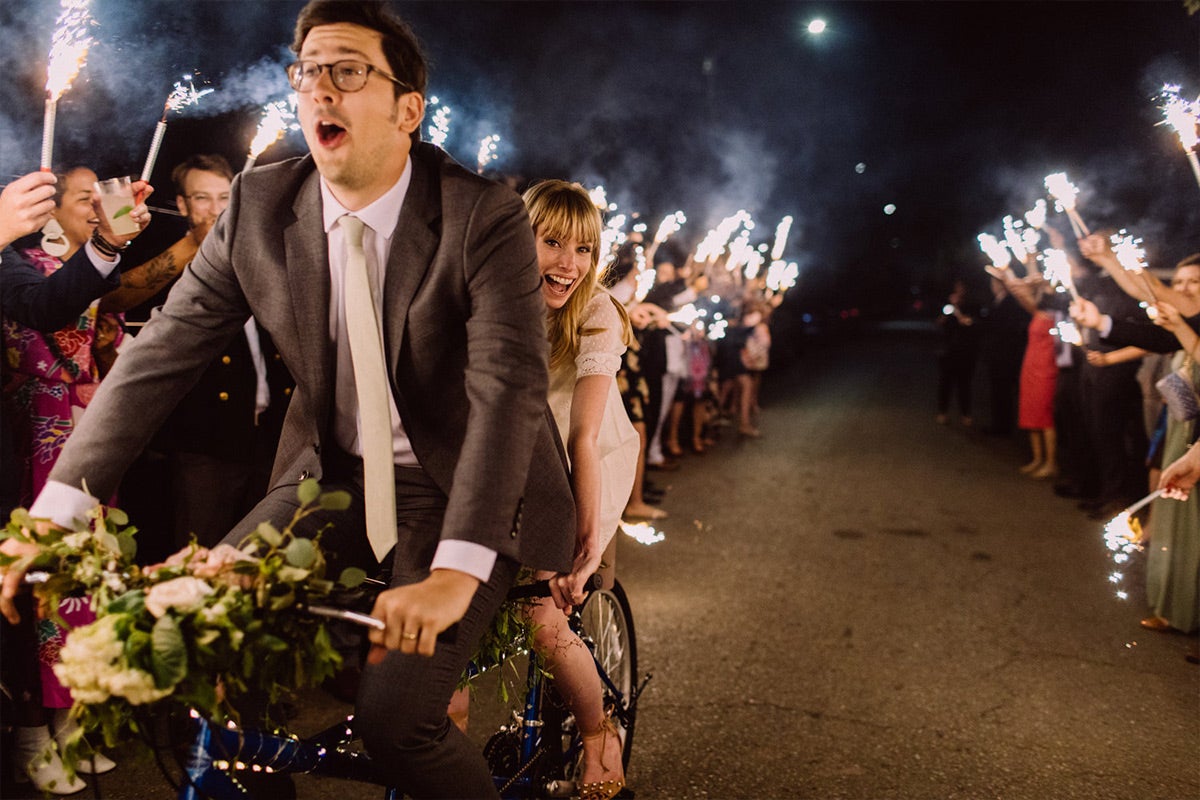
column 608, row 622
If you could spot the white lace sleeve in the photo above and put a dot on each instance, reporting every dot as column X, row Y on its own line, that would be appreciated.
column 600, row 352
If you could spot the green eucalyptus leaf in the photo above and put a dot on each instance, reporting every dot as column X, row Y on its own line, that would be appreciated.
column 335, row 501
column 117, row 516
column 269, row 534
column 308, row 491
column 352, row 577
column 300, row 553
column 127, row 545
column 169, row 661
column 133, row 602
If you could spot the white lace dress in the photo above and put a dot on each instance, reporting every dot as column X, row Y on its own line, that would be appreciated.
column 600, row 354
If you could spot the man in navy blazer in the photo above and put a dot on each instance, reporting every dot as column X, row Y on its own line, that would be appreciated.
column 481, row 484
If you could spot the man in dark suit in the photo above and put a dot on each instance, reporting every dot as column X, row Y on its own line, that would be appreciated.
column 480, row 482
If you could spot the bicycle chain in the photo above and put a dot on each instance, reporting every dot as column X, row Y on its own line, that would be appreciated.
column 541, row 751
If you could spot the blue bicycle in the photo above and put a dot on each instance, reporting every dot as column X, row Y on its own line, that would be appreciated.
column 535, row 755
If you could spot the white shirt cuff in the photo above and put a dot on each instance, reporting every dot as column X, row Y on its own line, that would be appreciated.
column 1105, row 326
column 61, row 504
column 105, row 268
column 469, row 557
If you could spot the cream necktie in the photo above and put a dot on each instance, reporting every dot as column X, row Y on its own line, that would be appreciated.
column 371, row 386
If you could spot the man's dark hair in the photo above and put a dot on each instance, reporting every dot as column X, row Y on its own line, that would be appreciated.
column 203, row 162
column 400, row 45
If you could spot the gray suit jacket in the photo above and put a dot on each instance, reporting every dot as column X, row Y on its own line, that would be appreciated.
column 464, row 337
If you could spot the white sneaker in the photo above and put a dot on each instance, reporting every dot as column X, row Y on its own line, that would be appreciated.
column 94, row 762
column 37, row 752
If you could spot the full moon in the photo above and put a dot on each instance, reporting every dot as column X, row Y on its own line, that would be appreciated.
column 816, row 26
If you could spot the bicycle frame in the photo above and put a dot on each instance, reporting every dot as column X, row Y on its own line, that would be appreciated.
column 218, row 752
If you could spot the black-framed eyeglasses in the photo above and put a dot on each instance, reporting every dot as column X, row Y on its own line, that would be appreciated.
column 347, row 76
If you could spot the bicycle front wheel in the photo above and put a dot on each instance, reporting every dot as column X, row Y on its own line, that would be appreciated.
column 608, row 621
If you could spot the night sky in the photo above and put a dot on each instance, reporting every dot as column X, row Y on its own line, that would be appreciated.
column 955, row 110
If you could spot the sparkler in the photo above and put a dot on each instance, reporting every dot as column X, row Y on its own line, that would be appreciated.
column 670, row 224
column 993, row 249
column 782, row 276
column 781, row 234
column 68, row 53
column 181, row 96
column 1014, row 239
column 646, row 276
column 1123, row 537
column 277, row 118
column 1068, row 332
column 740, row 251
column 686, row 315
column 1065, row 194
column 716, row 331
column 1058, row 270
column 599, row 197
column 714, row 242
column 487, row 151
column 1184, row 117
column 440, row 127
column 1036, row 216
column 1132, row 256
column 643, row 532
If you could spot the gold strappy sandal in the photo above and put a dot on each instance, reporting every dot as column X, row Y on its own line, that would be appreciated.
column 601, row 790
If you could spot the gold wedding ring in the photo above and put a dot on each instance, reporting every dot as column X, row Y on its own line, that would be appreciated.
column 408, row 636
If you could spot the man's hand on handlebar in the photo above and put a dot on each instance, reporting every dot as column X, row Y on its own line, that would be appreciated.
column 414, row 615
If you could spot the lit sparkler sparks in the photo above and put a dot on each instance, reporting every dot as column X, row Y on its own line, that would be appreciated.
column 487, row 152
column 612, row 237
column 183, row 94
column 1014, row 240
column 439, row 128
column 1184, row 117
column 995, row 250
column 740, row 251
column 714, row 242
column 1068, row 333
column 670, row 224
column 68, row 53
column 643, row 532
column 782, row 275
column 1058, row 270
column 276, row 120
column 1132, row 256
column 1065, row 196
column 781, row 234
column 1123, row 537
column 686, row 315
column 646, row 276
column 1036, row 216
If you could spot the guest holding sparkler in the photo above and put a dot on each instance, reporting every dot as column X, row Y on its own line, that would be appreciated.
column 1039, row 374
column 50, row 375
column 1173, row 562
column 1112, row 402
column 588, row 332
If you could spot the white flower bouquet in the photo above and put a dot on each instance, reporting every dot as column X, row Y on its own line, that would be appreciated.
column 207, row 628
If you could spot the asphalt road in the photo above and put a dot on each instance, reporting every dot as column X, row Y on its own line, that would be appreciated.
column 864, row 604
